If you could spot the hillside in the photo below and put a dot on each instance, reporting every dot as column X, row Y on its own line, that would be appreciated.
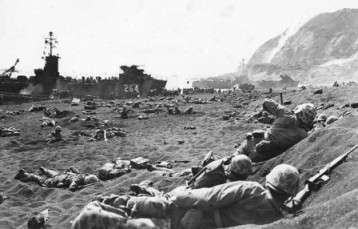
column 323, row 49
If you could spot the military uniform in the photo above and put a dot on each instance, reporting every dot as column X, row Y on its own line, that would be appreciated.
column 225, row 205
column 53, row 179
column 230, row 204
column 284, row 132
column 219, row 171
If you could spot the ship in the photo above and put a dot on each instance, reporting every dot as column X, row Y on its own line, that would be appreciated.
column 22, row 88
column 47, row 77
column 47, row 81
column 12, row 85
column 131, row 82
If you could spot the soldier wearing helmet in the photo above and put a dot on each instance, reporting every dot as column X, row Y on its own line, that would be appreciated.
column 324, row 120
column 321, row 118
column 288, row 128
column 305, row 115
column 219, row 171
column 283, row 179
column 225, row 205
column 239, row 168
column 320, row 121
column 245, row 202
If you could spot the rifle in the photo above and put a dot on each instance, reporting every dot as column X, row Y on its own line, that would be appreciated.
column 225, row 160
column 315, row 182
column 209, row 157
column 201, row 171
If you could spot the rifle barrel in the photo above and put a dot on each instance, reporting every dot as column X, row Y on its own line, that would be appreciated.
column 201, row 171
column 343, row 156
column 331, row 165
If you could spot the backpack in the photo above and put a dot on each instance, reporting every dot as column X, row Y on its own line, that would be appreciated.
column 210, row 175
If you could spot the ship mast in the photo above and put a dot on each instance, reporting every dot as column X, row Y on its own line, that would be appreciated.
column 51, row 41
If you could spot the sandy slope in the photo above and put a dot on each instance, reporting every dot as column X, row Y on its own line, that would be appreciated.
column 335, row 204
column 156, row 138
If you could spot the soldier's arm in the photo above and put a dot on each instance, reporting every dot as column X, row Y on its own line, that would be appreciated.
column 275, row 108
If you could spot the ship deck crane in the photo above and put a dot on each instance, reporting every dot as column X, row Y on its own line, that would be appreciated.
column 8, row 72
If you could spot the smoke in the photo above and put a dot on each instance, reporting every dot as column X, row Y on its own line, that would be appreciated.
column 38, row 89
column 61, row 85
column 284, row 37
column 175, row 82
column 32, row 90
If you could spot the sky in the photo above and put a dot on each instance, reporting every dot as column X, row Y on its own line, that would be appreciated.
column 175, row 40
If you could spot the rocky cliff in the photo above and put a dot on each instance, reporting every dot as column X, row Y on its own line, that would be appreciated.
column 321, row 51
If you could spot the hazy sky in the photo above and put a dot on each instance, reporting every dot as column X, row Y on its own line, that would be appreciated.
column 184, row 38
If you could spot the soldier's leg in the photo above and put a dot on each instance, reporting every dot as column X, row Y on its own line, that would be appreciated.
column 48, row 172
column 73, row 170
column 149, row 207
column 113, row 200
column 265, row 150
column 107, row 174
column 53, row 182
column 94, row 216
column 24, row 176
column 145, row 190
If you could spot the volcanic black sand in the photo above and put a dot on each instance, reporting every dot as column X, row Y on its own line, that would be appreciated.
column 333, row 206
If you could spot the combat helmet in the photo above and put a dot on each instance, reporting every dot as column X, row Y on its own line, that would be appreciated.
column 283, row 178
column 305, row 113
column 240, row 166
column 321, row 118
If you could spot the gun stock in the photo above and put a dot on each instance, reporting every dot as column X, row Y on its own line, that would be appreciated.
column 296, row 202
